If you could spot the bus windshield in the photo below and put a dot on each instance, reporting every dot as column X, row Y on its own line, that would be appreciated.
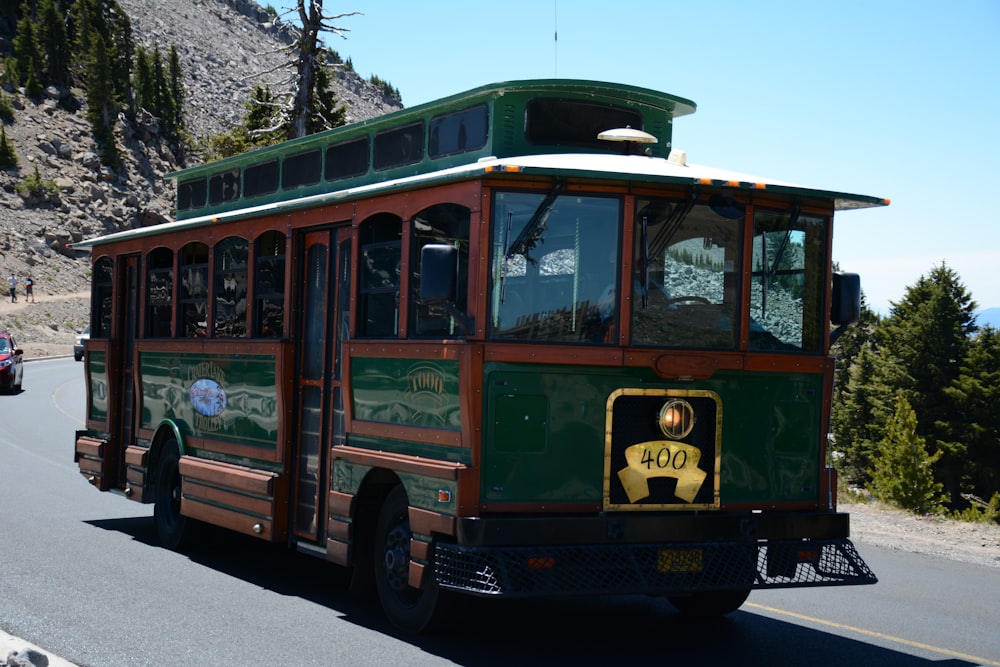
column 554, row 267
column 687, row 259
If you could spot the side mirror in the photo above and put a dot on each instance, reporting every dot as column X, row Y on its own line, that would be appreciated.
column 846, row 304
column 438, row 272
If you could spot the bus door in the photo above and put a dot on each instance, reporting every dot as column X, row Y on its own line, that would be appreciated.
column 320, row 415
column 127, row 329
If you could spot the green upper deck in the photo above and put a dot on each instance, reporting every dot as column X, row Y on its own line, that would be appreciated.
column 499, row 120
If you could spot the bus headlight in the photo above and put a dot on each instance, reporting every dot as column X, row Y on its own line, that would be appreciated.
column 676, row 418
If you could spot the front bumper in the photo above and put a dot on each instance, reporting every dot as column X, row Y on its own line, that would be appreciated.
column 681, row 554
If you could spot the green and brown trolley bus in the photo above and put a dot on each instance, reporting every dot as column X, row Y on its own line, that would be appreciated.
column 507, row 343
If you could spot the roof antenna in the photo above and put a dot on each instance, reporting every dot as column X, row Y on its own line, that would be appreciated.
column 555, row 48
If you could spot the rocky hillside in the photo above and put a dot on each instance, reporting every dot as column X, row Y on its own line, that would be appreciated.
column 225, row 48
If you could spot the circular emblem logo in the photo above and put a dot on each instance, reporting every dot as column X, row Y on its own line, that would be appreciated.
column 208, row 398
column 676, row 418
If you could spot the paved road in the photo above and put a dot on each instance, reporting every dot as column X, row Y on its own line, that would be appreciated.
column 81, row 576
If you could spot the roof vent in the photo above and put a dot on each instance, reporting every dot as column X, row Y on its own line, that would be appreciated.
column 679, row 157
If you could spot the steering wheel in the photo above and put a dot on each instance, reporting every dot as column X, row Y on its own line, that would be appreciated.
column 695, row 299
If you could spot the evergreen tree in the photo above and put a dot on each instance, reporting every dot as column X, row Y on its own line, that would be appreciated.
column 145, row 86
column 8, row 157
column 975, row 395
column 54, row 43
column 925, row 341
column 101, row 107
column 28, row 53
column 859, row 417
column 175, row 83
column 327, row 113
column 903, row 474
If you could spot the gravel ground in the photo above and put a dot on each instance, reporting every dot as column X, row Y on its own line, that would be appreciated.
column 875, row 524
column 46, row 327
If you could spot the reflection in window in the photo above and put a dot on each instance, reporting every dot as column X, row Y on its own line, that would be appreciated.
column 224, row 187
column 160, row 293
column 102, row 292
column 260, row 179
column 686, row 295
column 787, row 287
column 395, row 148
column 445, row 224
column 458, row 132
column 378, row 302
column 230, row 307
column 269, row 285
column 301, row 169
column 191, row 194
column 193, row 298
column 554, row 262
column 346, row 159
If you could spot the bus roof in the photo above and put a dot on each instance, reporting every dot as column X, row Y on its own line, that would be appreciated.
column 673, row 171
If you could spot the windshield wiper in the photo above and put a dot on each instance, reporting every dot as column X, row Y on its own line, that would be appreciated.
column 532, row 232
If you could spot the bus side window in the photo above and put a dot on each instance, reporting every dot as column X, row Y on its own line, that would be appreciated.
column 378, row 276
column 269, row 285
column 193, row 291
column 160, row 293
column 440, row 224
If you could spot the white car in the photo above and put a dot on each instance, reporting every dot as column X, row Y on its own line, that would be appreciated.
column 81, row 338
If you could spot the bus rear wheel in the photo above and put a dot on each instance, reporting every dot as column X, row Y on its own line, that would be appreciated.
column 704, row 604
column 410, row 609
column 171, row 527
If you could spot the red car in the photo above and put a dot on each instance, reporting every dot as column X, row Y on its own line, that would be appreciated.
column 11, row 363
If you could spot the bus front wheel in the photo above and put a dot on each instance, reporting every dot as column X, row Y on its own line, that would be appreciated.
column 171, row 526
column 410, row 609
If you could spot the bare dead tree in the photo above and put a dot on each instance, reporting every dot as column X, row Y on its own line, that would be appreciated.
column 308, row 47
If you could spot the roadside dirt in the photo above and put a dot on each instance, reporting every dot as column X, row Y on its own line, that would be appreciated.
column 47, row 326
column 878, row 525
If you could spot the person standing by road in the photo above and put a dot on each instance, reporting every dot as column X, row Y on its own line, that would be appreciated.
column 29, row 289
column 12, row 281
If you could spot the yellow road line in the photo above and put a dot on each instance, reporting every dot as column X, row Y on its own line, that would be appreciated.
column 878, row 635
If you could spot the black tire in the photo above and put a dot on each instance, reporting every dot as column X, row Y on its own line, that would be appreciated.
column 171, row 527
column 704, row 604
column 410, row 609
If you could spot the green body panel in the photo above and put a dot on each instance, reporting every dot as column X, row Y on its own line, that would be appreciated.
column 545, row 432
column 97, row 363
column 230, row 398
column 407, row 392
column 424, row 492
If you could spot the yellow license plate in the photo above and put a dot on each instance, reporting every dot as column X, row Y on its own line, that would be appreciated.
column 679, row 560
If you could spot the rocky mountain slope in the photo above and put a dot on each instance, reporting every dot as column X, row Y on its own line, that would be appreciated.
column 225, row 48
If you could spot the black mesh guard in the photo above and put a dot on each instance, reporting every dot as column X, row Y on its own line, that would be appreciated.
column 648, row 569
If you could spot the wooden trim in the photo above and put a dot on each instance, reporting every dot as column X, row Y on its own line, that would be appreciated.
column 399, row 462
column 420, row 549
column 426, row 522
column 340, row 504
column 410, row 433
column 195, row 491
column 553, row 354
column 136, row 456
column 90, row 447
column 237, row 478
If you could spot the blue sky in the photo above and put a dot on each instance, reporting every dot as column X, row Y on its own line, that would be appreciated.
column 889, row 98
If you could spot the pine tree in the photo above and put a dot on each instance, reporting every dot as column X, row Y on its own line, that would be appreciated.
column 54, row 42
column 28, row 53
column 100, row 101
column 175, row 83
column 975, row 395
column 925, row 341
column 8, row 157
column 859, row 417
column 903, row 474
